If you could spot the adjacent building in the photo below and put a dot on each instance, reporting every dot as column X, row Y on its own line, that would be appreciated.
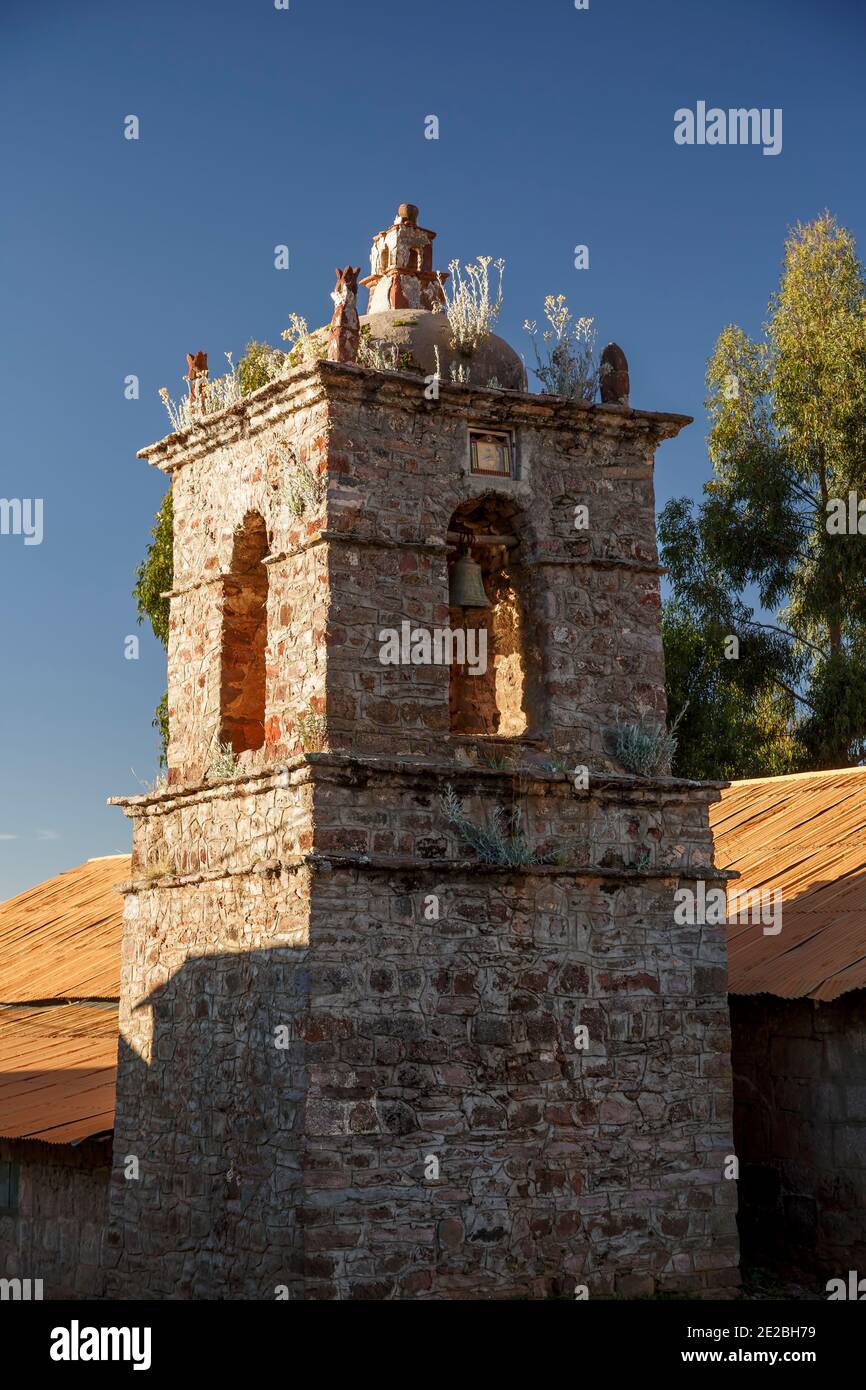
column 798, row 1015
column 59, row 991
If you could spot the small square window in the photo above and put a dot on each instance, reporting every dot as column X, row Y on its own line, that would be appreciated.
column 491, row 452
column 8, row 1187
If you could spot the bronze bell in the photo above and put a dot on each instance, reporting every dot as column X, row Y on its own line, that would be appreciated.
column 466, row 586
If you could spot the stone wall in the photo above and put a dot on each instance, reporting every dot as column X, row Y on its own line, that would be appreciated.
column 373, row 552
column 800, row 1131
column 353, row 1061
column 57, row 1231
column 454, row 1040
column 398, row 471
column 206, row 1100
column 413, row 1038
column 238, row 467
column 336, row 804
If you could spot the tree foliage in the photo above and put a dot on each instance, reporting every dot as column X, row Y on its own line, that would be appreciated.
column 787, row 435
column 154, row 577
column 728, row 727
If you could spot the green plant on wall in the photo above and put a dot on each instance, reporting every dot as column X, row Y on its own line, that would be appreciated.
column 260, row 364
column 469, row 305
column 501, row 841
column 312, row 730
column 223, row 763
column 154, row 578
column 566, row 366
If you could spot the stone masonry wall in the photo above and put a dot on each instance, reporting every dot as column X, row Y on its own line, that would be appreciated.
column 800, row 1129
column 374, row 552
column 352, row 1062
column 413, row 1039
column 398, row 471
column 243, row 466
column 57, row 1232
column 453, row 1040
column 337, row 805
column 206, row 1101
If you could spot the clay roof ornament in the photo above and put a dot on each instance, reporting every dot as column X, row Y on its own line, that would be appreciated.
column 197, row 376
column 344, row 332
column 401, row 266
column 613, row 381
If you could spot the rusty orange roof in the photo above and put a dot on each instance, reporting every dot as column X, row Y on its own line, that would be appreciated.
column 805, row 836
column 57, row 1071
column 59, row 949
column 61, row 939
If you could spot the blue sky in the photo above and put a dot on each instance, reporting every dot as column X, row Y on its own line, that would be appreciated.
column 306, row 127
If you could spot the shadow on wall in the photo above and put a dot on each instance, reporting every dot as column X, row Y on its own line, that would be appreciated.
column 207, row 1162
column 55, row 1232
column 298, row 1101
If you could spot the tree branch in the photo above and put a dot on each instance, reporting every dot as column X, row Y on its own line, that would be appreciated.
column 783, row 632
column 778, row 681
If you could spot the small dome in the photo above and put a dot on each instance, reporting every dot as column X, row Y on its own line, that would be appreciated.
column 419, row 331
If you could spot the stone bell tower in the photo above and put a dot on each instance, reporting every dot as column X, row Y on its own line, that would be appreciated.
column 405, row 1009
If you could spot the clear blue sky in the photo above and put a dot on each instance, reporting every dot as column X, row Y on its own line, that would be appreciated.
column 306, row 127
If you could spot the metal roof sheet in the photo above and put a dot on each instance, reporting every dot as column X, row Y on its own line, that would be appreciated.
column 59, row 943
column 61, row 939
column 805, row 836
column 58, row 1066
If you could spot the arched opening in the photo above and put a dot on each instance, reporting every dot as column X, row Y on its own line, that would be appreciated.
column 489, row 691
column 416, row 259
column 384, row 258
column 244, row 638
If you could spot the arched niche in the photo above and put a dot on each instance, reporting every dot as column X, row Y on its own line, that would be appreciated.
column 498, row 700
column 244, row 638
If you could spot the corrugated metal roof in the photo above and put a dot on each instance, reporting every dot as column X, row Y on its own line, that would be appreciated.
column 805, row 836
column 61, row 939
column 60, row 942
column 57, row 1071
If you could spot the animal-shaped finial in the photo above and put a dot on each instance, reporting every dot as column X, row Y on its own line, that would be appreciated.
column 197, row 376
column 345, row 330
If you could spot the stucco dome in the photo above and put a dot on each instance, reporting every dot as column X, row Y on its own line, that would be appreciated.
column 419, row 331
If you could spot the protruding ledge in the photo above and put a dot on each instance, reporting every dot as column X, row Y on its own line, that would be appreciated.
column 318, row 863
column 301, row 768
column 310, row 381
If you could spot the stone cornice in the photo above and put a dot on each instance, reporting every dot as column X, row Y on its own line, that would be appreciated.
column 431, row 868
column 301, row 388
column 355, row 769
column 437, row 547
column 309, row 383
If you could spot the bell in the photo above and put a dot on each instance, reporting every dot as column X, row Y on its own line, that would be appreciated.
column 466, row 587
